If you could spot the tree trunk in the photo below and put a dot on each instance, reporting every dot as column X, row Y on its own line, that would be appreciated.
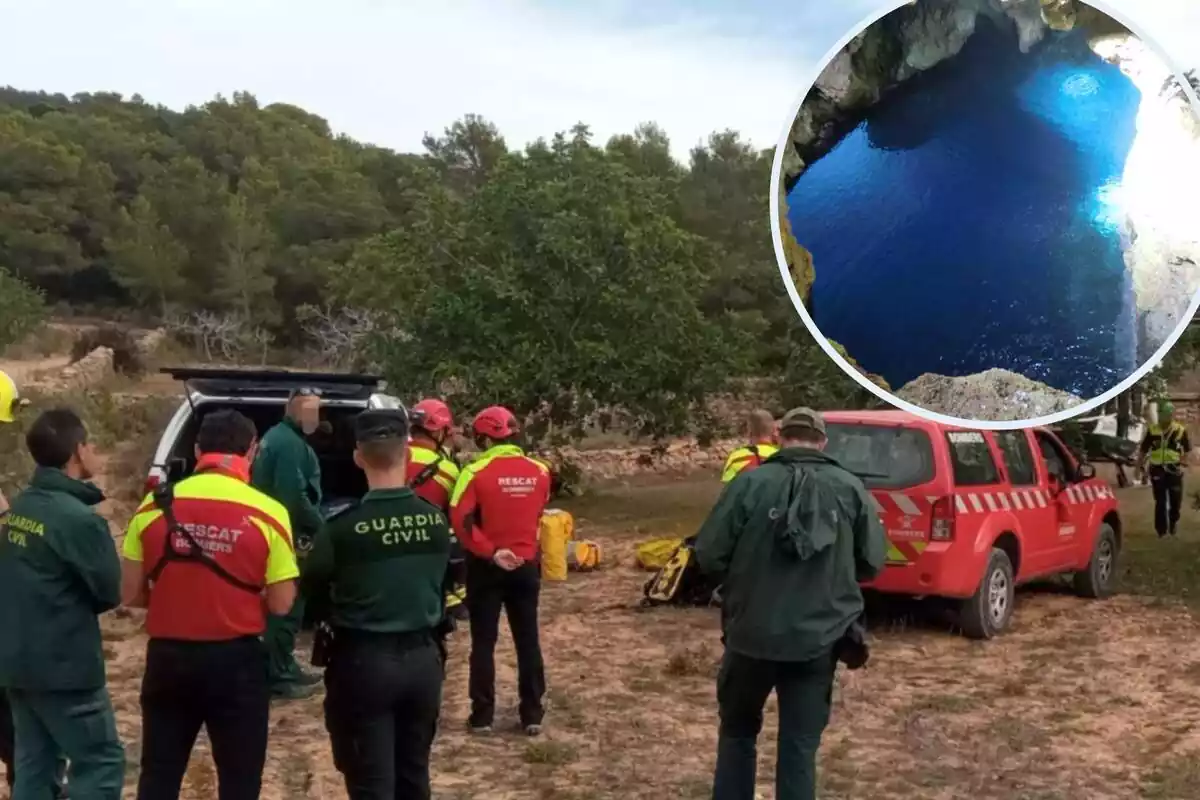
column 1123, row 409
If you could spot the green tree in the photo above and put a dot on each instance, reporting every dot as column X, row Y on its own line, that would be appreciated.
column 466, row 152
column 244, row 284
column 146, row 257
column 22, row 309
column 560, row 287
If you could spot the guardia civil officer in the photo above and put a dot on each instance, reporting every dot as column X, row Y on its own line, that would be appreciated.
column 377, row 571
column 58, row 572
column 1165, row 450
column 791, row 540
column 208, row 559
column 10, row 402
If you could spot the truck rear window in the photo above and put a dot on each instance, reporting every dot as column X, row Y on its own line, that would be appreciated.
column 884, row 457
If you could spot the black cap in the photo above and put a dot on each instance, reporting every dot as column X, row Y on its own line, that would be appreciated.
column 378, row 425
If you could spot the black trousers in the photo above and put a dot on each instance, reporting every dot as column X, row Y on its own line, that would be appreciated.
column 383, row 695
column 805, row 693
column 490, row 589
column 220, row 685
column 1168, row 497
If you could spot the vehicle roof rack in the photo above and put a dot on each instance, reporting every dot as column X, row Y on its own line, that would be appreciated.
column 218, row 381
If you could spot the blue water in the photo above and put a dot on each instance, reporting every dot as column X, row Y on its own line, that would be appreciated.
column 964, row 225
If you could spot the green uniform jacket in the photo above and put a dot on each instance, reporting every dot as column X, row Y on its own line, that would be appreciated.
column 379, row 566
column 791, row 570
column 59, row 570
column 286, row 469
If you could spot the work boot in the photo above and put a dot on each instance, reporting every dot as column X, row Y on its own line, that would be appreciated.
column 293, row 691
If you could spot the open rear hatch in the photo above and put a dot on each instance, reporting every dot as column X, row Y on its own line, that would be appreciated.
column 269, row 384
column 896, row 463
column 261, row 395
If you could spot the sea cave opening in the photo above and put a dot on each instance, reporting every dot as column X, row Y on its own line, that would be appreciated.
column 972, row 219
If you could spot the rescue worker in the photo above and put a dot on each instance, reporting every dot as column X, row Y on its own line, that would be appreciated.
column 286, row 468
column 432, row 473
column 58, row 572
column 496, row 511
column 378, row 568
column 10, row 403
column 791, row 540
column 1166, row 448
column 762, row 438
column 208, row 557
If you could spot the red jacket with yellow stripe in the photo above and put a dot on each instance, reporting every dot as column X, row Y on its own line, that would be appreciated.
column 440, row 484
column 245, row 531
column 498, row 502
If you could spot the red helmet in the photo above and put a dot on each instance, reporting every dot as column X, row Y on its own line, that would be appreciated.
column 495, row 422
column 433, row 416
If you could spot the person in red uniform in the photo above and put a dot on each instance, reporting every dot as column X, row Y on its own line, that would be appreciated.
column 208, row 557
column 495, row 510
column 432, row 473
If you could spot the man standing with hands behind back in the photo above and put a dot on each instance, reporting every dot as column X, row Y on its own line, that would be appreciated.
column 286, row 469
column 792, row 539
column 496, row 511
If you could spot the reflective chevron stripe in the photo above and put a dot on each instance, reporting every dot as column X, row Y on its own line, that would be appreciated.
column 987, row 502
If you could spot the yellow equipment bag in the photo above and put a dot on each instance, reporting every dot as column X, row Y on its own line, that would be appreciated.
column 654, row 554
column 555, row 533
column 680, row 582
column 583, row 555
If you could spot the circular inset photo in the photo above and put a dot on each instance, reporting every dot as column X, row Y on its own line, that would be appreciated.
column 989, row 210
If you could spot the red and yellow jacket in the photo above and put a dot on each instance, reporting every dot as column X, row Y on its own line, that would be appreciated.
column 438, row 487
column 498, row 502
column 245, row 531
column 745, row 458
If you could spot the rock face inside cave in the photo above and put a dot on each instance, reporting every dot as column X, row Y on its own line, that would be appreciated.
column 925, row 33
column 996, row 395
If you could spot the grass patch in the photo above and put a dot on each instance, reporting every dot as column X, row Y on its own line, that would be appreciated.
column 1165, row 569
column 1175, row 778
column 550, row 753
column 691, row 662
column 943, row 704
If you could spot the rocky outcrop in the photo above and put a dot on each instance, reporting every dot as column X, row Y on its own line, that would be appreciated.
column 1159, row 192
column 905, row 43
column 995, row 395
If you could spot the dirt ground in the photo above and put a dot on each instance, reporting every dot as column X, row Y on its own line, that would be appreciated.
column 1081, row 701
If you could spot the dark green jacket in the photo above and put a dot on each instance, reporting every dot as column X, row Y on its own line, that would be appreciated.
column 379, row 565
column 286, row 469
column 791, row 540
column 59, row 571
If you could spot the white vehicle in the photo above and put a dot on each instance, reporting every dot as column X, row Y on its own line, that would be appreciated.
column 262, row 395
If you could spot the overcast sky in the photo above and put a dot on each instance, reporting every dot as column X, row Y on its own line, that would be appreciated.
column 387, row 71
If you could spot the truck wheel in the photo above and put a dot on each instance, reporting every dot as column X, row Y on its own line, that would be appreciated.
column 990, row 609
column 1096, row 581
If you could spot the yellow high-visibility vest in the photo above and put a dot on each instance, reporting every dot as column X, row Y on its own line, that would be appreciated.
column 1167, row 446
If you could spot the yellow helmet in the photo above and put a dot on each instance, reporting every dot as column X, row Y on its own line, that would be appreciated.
column 10, row 398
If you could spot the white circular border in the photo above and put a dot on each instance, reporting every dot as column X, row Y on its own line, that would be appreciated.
column 866, row 383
